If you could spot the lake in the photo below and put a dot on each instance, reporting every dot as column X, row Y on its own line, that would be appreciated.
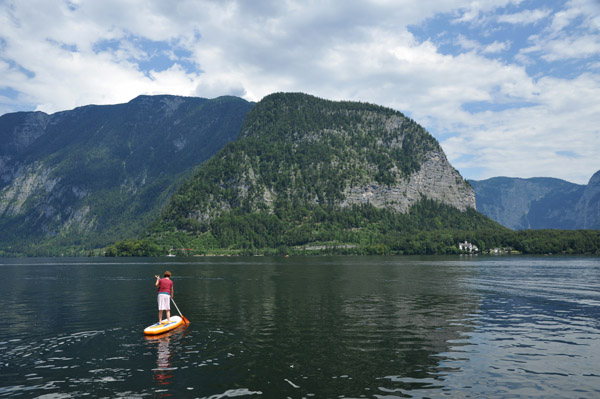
column 306, row 327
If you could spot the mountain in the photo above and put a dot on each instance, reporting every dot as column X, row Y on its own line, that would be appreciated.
column 588, row 206
column 539, row 203
column 83, row 178
column 307, row 172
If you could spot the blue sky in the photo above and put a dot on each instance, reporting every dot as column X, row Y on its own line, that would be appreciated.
column 508, row 87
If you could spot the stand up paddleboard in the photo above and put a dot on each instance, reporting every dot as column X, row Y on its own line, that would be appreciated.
column 163, row 327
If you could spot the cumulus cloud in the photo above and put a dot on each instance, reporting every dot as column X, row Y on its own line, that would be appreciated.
column 482, row 93
column 563, row 116
column 573, row 33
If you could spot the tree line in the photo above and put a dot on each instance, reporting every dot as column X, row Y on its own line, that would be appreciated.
column 429, row 228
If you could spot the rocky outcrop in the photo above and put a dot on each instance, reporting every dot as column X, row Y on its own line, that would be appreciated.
column 34, row 181
column 436, row 179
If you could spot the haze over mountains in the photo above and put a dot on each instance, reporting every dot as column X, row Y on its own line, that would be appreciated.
column 539, row 203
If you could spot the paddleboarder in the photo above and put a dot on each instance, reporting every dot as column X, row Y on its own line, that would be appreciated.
column 165, row 293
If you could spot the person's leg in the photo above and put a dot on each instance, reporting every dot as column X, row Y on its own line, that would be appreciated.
column 168, row 315
column 160, row 308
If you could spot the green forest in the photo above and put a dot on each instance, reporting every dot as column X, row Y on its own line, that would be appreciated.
column 280, row 190
column 429, row 228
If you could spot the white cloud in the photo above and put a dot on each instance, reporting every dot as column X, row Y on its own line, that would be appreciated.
column 571, row 47
column 474, row 11
column 474, row 45
column 467, row 44
column 525, row 17
column 523, row 142
column 496, row 47
column 574, row 33
column 565, row 17
column 57, row 55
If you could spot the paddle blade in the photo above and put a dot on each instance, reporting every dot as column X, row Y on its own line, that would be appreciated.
column 185, row 320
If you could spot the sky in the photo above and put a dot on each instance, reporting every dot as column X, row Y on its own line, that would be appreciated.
column 508, row 87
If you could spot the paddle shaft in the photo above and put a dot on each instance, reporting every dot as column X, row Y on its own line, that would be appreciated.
column 186, row 321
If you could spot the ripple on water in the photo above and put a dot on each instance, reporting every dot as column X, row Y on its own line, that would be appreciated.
column 57, row 362
column 389, row 329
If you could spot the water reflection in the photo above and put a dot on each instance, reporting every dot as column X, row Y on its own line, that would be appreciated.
column 164, row 371
column 310, row 327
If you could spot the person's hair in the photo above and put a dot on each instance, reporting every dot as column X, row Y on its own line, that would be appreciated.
column 167, row 274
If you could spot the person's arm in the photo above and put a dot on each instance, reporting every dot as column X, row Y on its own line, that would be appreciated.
column 172, row 290
column 157, row 280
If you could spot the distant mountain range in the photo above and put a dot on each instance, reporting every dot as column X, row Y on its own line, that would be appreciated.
column 539, row 203
column 84, row 178
column 292, row 172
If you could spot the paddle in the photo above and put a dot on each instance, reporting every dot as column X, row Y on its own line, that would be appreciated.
column 185, row 320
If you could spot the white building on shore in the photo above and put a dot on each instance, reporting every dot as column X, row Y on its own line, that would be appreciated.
column 468, row 247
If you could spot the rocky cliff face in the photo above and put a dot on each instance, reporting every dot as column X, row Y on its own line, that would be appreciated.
column 32, row 181
column 436, row 179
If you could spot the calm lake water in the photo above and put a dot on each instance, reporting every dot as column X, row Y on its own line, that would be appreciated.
column 322, row 327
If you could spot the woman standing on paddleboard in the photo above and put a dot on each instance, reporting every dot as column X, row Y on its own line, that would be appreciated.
column 165, row 293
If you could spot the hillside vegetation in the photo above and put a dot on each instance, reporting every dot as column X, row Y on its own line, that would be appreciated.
column 310, row 176
column 79, row 180
column 288, row 185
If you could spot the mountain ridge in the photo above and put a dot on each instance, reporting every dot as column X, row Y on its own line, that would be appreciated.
column 85, row 177
column 539, row 203
column 291, row 173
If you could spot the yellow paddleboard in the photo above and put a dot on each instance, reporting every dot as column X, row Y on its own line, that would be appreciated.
column 163, row 327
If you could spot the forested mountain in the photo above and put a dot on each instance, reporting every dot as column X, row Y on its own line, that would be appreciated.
column 311, row 173
column 540, row 203
column 291, row 174
column 84, row 178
